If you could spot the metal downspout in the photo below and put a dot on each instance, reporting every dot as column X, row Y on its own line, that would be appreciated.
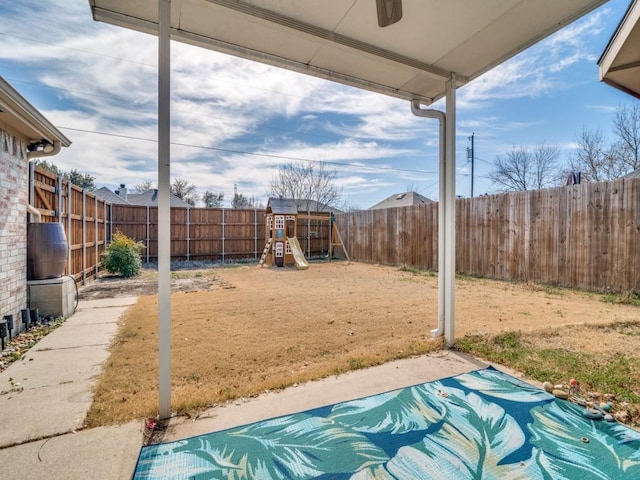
column 441, row 117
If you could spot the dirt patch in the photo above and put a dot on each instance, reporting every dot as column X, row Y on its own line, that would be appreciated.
column 240, row 331
column 183, row 280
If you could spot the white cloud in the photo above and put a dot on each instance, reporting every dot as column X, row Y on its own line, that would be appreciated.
column 535, row 72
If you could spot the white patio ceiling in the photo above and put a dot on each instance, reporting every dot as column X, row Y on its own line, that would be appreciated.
column 620, row 62
column 341, row 40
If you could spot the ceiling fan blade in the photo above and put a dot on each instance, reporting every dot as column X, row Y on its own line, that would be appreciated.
column 389, row 12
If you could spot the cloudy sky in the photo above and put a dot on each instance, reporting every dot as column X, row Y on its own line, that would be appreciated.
column 234, row 122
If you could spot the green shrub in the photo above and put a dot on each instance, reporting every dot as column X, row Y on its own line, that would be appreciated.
column 123, row 255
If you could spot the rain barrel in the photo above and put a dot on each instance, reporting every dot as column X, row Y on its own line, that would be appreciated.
column 46, row 250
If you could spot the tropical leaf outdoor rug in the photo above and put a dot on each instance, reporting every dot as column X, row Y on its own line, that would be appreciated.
column 479, row 425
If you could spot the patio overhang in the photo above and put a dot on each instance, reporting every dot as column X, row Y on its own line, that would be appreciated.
column 340, row 39
column 620, row 61
column 434, row 49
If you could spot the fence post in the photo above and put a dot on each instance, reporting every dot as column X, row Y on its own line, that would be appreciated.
column 104, row 220
column 148, row 234
column 59, row 214
column 95, row 235
column 308, row 233
column 223, row 235
column 69, row 230
column 188, row 231
column 84, row 237
column 59, row 192
column 255, row 233
column 32, row 187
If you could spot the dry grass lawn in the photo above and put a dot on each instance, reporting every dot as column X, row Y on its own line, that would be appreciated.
column 262, row 329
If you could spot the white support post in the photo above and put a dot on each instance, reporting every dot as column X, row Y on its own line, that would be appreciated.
column 164, row 208
column 450, row 213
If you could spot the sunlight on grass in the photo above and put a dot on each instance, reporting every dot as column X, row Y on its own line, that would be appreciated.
column 615, row 372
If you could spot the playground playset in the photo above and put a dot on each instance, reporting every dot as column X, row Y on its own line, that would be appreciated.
column 282, row 247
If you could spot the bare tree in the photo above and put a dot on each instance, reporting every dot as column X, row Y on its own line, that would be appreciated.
column 626, row 126
column 307, row 183
column 182, row 189
column 143, row 187
column 524, row 168
column 596, row 161
column 213, row 200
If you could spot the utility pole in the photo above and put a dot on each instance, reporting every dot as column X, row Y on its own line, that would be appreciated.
column 471, row 156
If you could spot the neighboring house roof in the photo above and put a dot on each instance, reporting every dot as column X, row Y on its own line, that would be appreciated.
column 634, row 174
column 282, row 206
column 313, row 206
column 109, row 196
column 401, row 200
column 17, row 112
column 620, row 62
column 148, row 198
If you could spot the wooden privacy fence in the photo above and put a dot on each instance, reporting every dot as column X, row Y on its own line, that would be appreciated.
column 584, row 236
column 85, row 217
column 212, row 234
column 392, row 236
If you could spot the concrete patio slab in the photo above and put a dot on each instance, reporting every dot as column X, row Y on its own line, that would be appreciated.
column 49, row 391
column 100, row 453
column 348, row 386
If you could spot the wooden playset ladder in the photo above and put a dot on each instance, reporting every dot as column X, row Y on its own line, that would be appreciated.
column 265, row 252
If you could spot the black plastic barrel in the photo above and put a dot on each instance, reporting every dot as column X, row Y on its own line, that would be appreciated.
column 46, row 250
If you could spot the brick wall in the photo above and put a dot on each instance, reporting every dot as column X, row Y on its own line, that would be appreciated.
column 13, row 224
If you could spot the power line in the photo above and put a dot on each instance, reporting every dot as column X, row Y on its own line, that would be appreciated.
column 242, row 152
column 150, row 108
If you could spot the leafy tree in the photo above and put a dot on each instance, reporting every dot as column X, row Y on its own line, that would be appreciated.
column 526, row 168
column 240, row 201
column 143, row 187
column 48, row 166
column 306, row 183
column 83, row 180
column 182, row 189
column 213, row 200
